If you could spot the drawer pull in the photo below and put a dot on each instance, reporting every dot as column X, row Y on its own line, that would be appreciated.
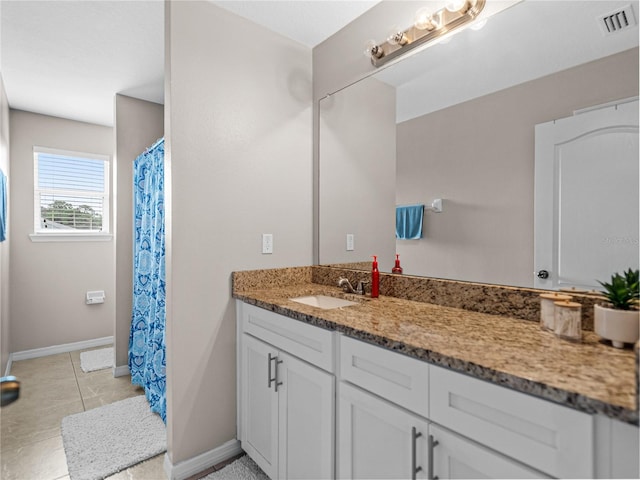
column 269, row 379
column 273, row 376
column 431, row 444
column 270, row 375
column 278, row 362
column 414, row 468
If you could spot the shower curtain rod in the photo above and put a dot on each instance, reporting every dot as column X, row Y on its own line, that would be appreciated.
column 154, row 145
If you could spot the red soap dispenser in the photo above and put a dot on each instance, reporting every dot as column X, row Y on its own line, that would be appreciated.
column 397, row 269
column 375, row 278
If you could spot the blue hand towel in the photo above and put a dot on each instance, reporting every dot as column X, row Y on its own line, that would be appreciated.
column 409, row 222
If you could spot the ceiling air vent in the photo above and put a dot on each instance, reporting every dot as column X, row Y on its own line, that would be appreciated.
column 617, row 21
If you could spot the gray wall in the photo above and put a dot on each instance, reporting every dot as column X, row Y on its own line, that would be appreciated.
column 238, row 137
column 137, row 125
column 479, row 157
column 49, row 280
column 4, row 246
column 358, row 161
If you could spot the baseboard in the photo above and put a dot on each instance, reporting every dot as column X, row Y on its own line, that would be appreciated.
column 7, row 370
column 121, row 371
column 201, row 462
column 55, row 349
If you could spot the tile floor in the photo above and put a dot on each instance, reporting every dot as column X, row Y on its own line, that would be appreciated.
column 51, row 388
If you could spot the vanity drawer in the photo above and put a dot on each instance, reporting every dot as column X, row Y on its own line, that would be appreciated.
column 551, row 438
column 395, row 377
column 309, row 343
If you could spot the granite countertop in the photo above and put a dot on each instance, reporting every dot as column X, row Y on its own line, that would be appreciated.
column 589, row 376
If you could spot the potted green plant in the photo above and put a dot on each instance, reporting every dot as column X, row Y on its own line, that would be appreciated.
column 618, row 319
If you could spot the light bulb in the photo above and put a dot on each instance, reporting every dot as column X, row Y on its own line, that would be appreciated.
column 372, row 49
column 456, row 5
column 397, row 36
column 398, row 39
column 422, row 19
column 436, row 20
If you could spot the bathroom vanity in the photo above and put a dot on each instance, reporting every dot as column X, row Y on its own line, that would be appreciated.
column 394, row 388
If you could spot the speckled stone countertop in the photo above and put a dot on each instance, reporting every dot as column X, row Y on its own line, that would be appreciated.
column 589, row 376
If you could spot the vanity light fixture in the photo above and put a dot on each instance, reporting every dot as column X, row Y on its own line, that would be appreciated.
column 427, row 26
column 457, row 6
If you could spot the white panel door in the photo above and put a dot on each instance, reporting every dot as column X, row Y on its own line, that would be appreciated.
column 306, row 420
column 586, row 197
column 375, row 438
column 259, row 403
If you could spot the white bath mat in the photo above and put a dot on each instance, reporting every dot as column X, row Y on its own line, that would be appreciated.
column 108, row 439
column 96, row 359
column 242, row 469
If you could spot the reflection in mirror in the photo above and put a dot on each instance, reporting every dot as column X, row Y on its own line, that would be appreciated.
column 457, row 121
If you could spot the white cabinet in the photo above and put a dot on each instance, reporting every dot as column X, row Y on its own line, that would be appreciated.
column 306, row 420
column 397, row 378
column 259, row 405
column 383, row 402
column 286, row 405
column 551, row 438
column 378, row 439
column 617, row 449
column 399, row 417
column 469, row 427
column 457, row 457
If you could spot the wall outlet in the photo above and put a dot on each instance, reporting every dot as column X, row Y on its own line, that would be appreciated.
column 93, row 297
column 350, row 242
column 267, row 243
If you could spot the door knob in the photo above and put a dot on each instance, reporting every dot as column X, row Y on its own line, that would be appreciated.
column 542, row 274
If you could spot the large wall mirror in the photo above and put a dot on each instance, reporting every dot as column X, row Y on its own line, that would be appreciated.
column 456, row 121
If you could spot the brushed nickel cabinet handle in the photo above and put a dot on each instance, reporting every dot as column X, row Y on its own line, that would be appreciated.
column 414, row 468
column 269, row 374
column 278, row 362
column 431, row 444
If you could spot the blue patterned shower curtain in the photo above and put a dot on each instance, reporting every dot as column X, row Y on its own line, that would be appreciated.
column 147, row 362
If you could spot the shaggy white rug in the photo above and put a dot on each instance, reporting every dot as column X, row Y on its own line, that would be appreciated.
column 96, row 359
column 242, row 469
column 105, row 440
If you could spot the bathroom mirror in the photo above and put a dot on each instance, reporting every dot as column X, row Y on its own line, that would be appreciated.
column 456, row 121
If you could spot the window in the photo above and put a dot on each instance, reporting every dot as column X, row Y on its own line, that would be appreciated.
column 71, row 193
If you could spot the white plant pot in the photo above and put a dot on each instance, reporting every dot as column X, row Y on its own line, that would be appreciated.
column 619, row 326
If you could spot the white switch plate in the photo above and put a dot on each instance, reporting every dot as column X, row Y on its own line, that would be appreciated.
column 350, row 242
column 267, row 243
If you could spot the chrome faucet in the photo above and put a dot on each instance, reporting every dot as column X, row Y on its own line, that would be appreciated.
column 346, row 286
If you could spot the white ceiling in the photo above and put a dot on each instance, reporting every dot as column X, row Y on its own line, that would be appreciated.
column 70, row 58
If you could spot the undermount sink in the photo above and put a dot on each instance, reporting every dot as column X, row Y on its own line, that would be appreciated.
column 324, row 301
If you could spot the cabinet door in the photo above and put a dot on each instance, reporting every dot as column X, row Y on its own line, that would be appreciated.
column 259, row 405
column 375, row 438
column 457, row 457
column 306, row 420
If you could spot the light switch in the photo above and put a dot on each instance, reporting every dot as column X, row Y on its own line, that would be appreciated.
column 350, row 242
column 267, row 243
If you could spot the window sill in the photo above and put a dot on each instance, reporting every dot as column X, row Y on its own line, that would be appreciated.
column 66, row 237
